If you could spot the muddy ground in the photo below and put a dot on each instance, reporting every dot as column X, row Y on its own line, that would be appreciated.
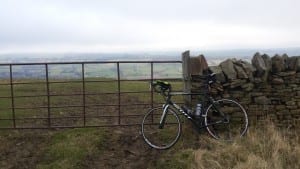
column 123, row 148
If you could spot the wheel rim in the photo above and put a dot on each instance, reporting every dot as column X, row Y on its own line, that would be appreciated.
column 161, row 138
column 233, row 126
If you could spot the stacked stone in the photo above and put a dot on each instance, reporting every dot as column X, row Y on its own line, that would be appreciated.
column 199, row 87
column 267, row 87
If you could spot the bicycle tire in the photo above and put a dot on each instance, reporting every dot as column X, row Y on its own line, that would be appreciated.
column 235, row 116
column 161, row 138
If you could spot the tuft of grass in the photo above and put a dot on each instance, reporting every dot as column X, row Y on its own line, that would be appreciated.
column 264, row 147
column 70, row 147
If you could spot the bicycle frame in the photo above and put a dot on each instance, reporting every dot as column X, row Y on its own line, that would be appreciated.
column 169, row 103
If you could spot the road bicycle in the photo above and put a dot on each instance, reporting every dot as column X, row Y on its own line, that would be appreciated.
column 224, row 119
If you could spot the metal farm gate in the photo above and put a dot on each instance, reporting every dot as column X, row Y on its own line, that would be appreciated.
column 81, row 94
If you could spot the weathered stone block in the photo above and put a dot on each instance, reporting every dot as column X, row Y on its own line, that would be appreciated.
column 282, row 112
column 257, row 80
column 292, row 107
column 298, row 64
column 255, row 94
column 248, row 87
column 258, row 62
column 247, row 67
column 237, row 83
column 277, row 81
column 245, row 101
column 219, row 73
column 262, row 100
column 279, row 87
column 228, row 69
column 295, row 111
column 285, row 74
column 278, row 64
column 268, row 61
column 287, row 92
column 291, row 63
column 275, row 101
column 293, row 86
column 290, row 103
column 280, row 107
column 241, row 74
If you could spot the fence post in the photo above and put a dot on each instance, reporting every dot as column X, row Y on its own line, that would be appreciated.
column 186, row 76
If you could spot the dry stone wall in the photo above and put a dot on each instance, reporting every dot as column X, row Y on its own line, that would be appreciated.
column 267, row 87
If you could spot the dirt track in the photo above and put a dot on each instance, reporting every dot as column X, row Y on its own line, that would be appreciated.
column 123, row 151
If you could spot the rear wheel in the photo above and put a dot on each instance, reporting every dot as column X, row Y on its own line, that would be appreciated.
column 226, row 119
column 161, row 138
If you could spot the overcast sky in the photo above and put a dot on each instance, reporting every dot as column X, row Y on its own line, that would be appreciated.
column 152, row 25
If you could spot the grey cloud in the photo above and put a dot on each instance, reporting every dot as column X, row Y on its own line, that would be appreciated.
column 113, row 22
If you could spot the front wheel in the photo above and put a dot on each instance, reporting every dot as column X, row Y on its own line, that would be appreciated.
column 161, row 137
column 226, row 120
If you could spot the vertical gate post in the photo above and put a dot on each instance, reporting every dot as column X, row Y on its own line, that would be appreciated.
column 48, row 95
column 119, row 93
column 83, row 93
column 186, row 76
column 152, row 76
column 12, row 96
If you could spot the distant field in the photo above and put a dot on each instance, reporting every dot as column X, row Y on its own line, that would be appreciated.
column 103, row 70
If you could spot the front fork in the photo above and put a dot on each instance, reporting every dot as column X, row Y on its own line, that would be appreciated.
column 163, row 116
